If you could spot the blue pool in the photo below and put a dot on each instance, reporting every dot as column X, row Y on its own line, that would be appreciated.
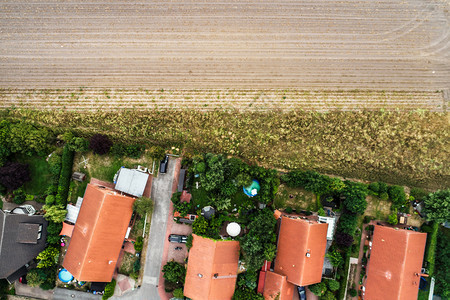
column 65, row 276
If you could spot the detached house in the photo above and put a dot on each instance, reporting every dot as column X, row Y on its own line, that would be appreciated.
column 98, row 235
column 394, row 267
column 301, row 250
column 212, row 269
column 22, row 238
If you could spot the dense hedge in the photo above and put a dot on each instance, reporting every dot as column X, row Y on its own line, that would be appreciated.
column 65, row 176
column 343, row 279
column 109, row 290
column 431, row 248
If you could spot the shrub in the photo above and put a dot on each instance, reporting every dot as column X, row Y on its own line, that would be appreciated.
column 384, row 196
column 174, row 272
column 382, row 187
column 13, row 175
column 189, row 241
column 178, row 293
column 54, row 163
column 318, row 289
column 418, row 193
column 19, row 196
column 392, row 219
column 321, row 212
column 138, row 245
column 355, row 194
column 347, row 223
column 100, row 144
column 133, row 151
column 78, row 144
column 333, row 285
column 353, row 292
column 35, row 277
column 53, row 230
column 431, row 248
column 137, row 266
column 48, row 257
column 54, row 213
column 374, row 187
column 109, row 290
column 143, row 206
column 288, row 210
column 437, row 206
column 50, row 200
column 344, row 239
column 367, row 219
column 397, row 195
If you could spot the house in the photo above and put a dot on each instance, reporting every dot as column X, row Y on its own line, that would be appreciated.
column 277, row 287
column 98, row 235
column 22, row 238
column 131, row 181
column 212, row 269
column 394, row 267
column 301, row 250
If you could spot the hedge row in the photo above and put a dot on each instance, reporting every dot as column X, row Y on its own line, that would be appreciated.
column 343, row 279
column 65, row 176
column 431, row 248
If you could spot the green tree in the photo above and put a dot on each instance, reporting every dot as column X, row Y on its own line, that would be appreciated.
column 5, row 132
column 28, row 139
column 109, row 290
column 333, row 285
column 53, row 230
column 392, row 219
column 437, row 206
column 442, row 261
column 328, row 296
column 36, row 277
column 318, row 289
column 355, row 194
column 200, row 226
column 178, row 293
column 259, row 243
column 54, row 213
column 143, row 205
column 78, row 144
column 397, row 195
column 214, row 174
column 174, row 272
column 48, row 257
column 247, row 280
column 347, row 222
column 19, row 196
column 335, row 258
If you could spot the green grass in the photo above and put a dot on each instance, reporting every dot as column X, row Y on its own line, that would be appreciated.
column 104, row 167
column 301, row 199
column 40, row 174
column 199, row 198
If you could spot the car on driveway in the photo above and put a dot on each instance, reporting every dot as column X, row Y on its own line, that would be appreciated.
column 163, row 164
column 301, row 292
column 176, row 238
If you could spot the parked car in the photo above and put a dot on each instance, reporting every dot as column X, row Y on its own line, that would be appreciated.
column 301, row 292
column 163, row 164
column 176, row 238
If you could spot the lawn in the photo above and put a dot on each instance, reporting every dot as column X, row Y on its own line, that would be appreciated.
column 296, row 198
column 128, row 261
column 380, row 209
column 40, row 174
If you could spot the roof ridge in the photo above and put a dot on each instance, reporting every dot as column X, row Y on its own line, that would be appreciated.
column 402, row 273
column 95, row 225
column 3, row 230
column 212, row 264
column 302, row 271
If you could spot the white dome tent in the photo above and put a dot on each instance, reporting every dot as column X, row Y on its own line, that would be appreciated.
column 233, row 229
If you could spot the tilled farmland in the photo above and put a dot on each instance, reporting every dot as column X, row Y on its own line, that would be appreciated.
column 185, row 45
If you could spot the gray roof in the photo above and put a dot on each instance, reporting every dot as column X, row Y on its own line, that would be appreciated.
column 19, row 241
column 131, row 182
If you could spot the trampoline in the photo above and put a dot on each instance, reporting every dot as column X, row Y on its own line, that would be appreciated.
column 65, row 276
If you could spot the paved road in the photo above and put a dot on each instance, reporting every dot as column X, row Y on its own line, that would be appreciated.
column 323, row 44
column 65, row 294
column 161, row 193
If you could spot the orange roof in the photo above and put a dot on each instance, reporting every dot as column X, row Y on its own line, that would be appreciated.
column 212, row 269
column 98, row 234
column 67, row 229
column 277, row 214
column 395, row 264
column 301, row 250
column 276, row 285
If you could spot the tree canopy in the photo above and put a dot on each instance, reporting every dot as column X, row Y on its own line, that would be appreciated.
column 174, row 272
column 143, row 205
column 437, row 206
column 355, row 194
column 100, row 144
column 13, row 175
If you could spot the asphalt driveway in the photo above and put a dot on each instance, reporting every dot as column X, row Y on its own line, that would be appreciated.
column 161, row 193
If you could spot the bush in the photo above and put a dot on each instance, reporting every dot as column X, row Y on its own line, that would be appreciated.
column 174, row 272
column 65, row 176
column 53, row 230
column 418, row 194
column 50, row 200
column 353, row 292
column 344, row 239
column 374, row 187
column 133, row 151
column 367, row 219
column 78, row 144
column 138, row 245
column 13, row 175
column 54, row 163
column 397, row 195
column 347, row 223
column 355, row 194
column 178, row 293
column 392, row 219
column 437, row 206
column 137, row 266
column 288, row 210
column 100, row 144
column 431, row 248
column 19, row 196
column 318, row 289
column 189, row 242
column 333, row 285
column 384, row 196
column 35, row 277
column 109, row 290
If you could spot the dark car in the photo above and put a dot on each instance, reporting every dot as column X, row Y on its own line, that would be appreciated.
column 301, row 292
column 163, row 164
column 176, row 238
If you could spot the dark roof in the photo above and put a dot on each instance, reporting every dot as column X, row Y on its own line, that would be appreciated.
column 19, row 241
column 17, row 274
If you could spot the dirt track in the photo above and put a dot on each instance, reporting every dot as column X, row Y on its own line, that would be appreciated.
column 316, row 44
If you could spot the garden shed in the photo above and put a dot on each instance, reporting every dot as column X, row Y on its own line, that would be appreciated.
column 131, row 181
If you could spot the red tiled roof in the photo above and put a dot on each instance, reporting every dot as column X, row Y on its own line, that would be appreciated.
column 212, row 269
column 298, row 238
column 67, row 229
column 98, row 234
column 185, row 197
column 261, row 281
column 277, row 287
column 395, row 264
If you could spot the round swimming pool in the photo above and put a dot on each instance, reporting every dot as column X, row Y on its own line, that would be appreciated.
column 65, row 276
